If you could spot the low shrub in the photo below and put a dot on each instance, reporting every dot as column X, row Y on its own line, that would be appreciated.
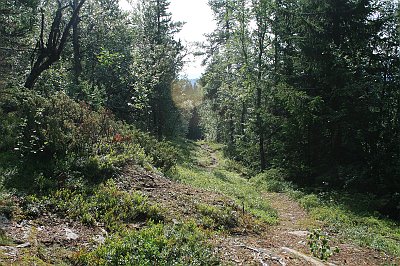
column 55, row 137
column 105, row 205
column 218, row 217
column 310, row 201
column 360, row 226
column 318, row 242
column 158, row 244
column 272, row 180
column 162, row 153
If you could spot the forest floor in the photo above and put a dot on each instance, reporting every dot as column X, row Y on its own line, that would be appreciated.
column 283, row 242
column 249, row 226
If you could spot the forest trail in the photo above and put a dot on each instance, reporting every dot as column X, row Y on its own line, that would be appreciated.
column 258, row 227
column 284, row 243
column 212, row 155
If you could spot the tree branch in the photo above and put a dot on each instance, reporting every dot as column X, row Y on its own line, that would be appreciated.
column 49, row 54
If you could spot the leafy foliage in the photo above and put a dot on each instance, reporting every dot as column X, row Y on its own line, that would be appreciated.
column 57, row 138
column 105, row 204
column 272, row 180
column 218, row 217
column 182, row 244
column 318, row 243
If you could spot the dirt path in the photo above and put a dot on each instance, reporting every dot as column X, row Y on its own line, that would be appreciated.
column 213, row 156
column 286, row 243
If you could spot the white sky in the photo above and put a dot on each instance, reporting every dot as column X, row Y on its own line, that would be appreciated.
column 199, row 21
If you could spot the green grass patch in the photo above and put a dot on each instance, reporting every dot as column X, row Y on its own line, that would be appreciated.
column 4, row 239
column 360, row 226
column 272, row 180
column 223, row 179
column 158, row 244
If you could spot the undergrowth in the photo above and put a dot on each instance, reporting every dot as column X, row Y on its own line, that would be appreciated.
column 365, row 229
column 105, row 205
column 319, row 245
column 158, row 244
column 218, row 217
column 49, row 139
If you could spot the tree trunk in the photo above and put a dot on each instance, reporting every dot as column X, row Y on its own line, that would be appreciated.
column 77, row 67
column 50, row 53
column 259, row 123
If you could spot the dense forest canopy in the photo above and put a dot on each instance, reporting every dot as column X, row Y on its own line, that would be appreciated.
column 311, row 87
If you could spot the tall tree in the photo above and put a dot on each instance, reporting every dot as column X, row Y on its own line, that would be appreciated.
column 161, row 58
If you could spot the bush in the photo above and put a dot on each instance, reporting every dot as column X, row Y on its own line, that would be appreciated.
column 310, row 201
column 106, row 205
column 56, row 138
column 218, row 217
column 318, row 243
column 55, row 135
column 162, row 153
column 182, row 244
column 272, row 180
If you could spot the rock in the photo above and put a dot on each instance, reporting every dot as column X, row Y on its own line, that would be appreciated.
column 103, row 231
column 99, row 239
column 24, row 245
column 299, row 233
column 27, row 232
column 309, row 259
column 70, row 235
column 40, row 228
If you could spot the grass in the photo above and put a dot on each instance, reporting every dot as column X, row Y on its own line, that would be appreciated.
column 348, row 216
column 221, row 179
column 359, row 226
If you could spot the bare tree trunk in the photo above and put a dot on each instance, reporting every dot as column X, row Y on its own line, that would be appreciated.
column 259, row 123
column 50, row 53
column 77, row 68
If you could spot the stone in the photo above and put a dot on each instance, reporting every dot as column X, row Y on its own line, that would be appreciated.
column 299, row 233
column 24, row 245
column 70, row 234
column 99, row 239
column 9, row 251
